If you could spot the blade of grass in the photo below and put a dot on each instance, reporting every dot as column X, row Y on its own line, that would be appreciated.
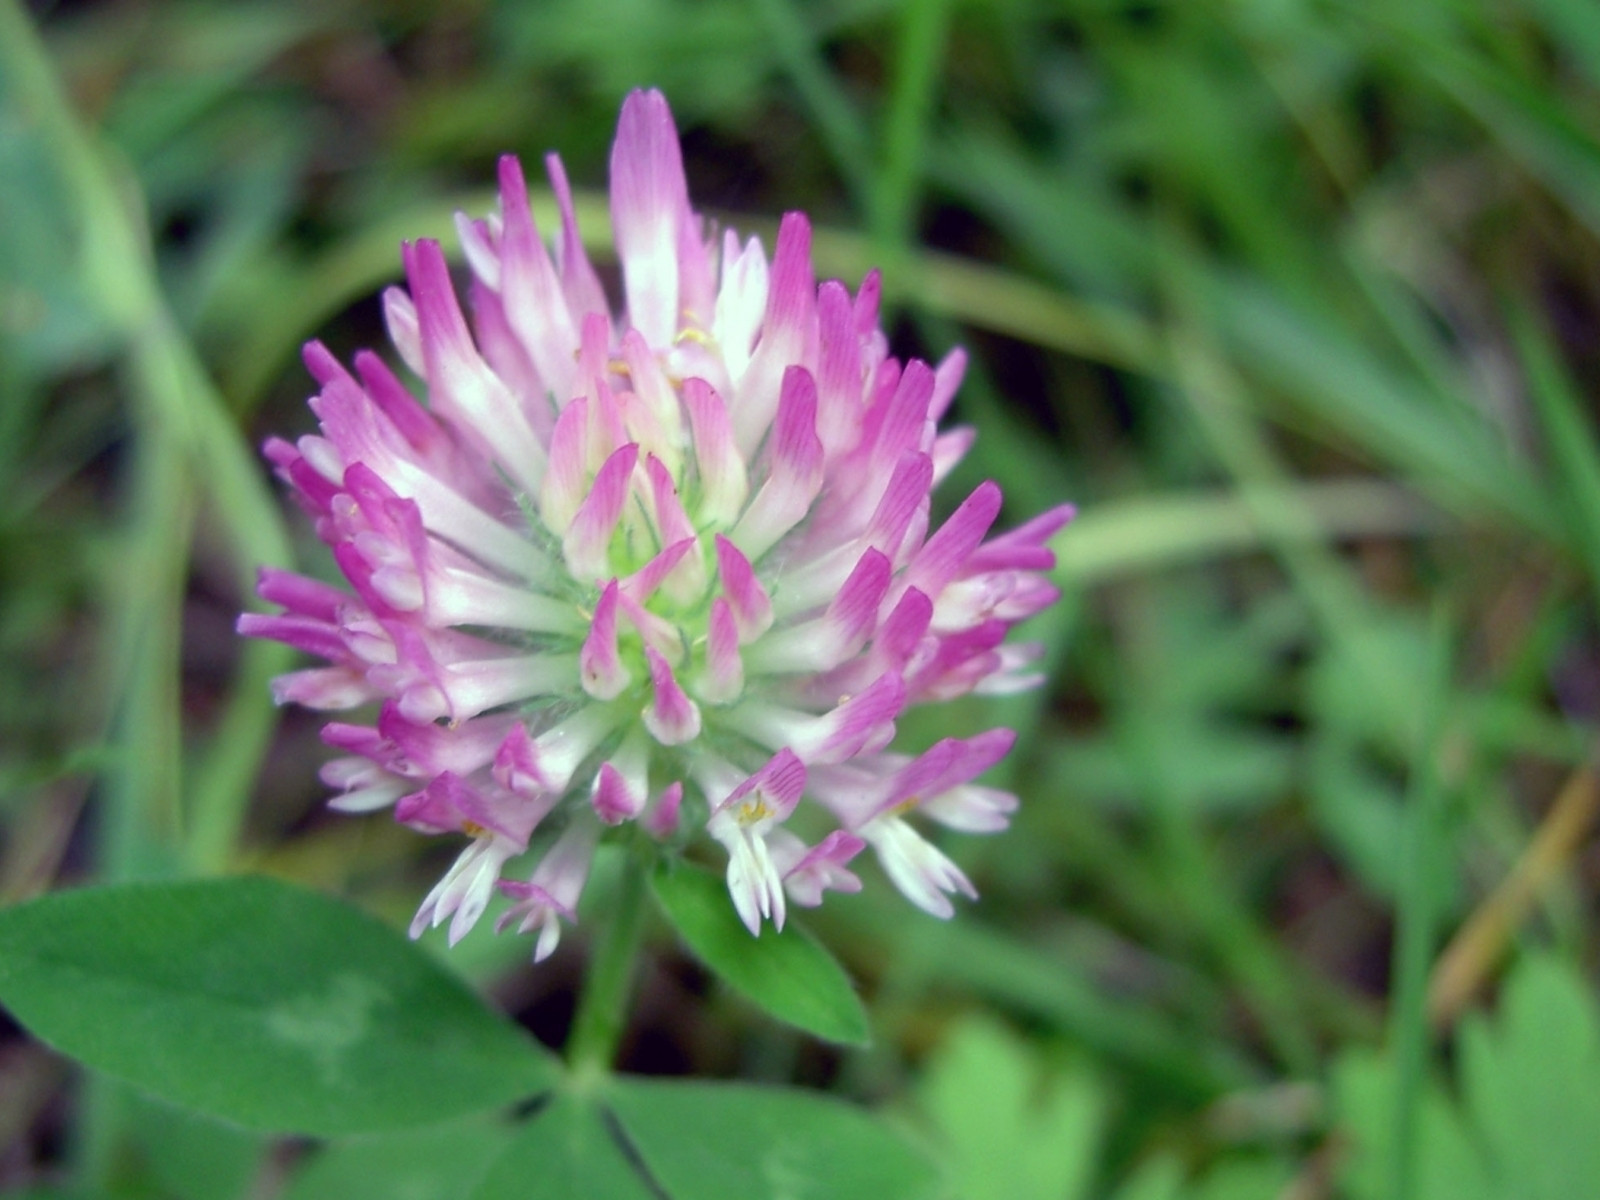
column 919, row 53
column 186, row 442
column 1423, row 849
column 1248, row 954
column 1072, row 231
column 1573, row 27
column 1526, row 119
column 1484, row 937
column 1311, row 366
column 1010, row 971
column 1126, row 537
column 1569, row 440
column 145, row 595
column 1330, row 377
column 1217, row 399
column 831, row 109
column 1004, row 302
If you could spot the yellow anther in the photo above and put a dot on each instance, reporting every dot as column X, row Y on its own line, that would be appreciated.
column 473, row 829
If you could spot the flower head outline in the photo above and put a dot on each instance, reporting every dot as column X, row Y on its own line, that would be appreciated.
column 672, row 566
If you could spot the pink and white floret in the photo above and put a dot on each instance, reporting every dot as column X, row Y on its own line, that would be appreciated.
column 672, row 567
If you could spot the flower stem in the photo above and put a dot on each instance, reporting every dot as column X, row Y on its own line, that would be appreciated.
column 603, row 1007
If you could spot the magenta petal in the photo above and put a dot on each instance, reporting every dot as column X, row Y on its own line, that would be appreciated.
column 604, row 677
column 1023, row 548
column 662, row 819
column 780, row 783
column 563, row 489
column 902, row 633
column 410, row 419
column 553, row 891
column 478, row 247
column 324, row 688
column 534, row 302
column 459, row 381
column 905, row 494
column 450, row 803
column 944, row 555
column 809, row 871
column 428, row 749
column 649, row 201
column 578, row 280
column 788, row 333
column 753, row 812
column 868, row 296
column 746, row 597
column 656, row 413
column 516, row 764
column 839, row 383
column 614, row 799
column 303, row 633
column 724, row 667
column 405, row 332
column 587, row 539
column 672, row 523
column 837, row 849
column 947, row 764
column 358, row 739
column 796, row 450
column 672, row 718
column 795, row 469
column 862, row 724
column 724, row 483
column 946, row 380
column 905, row 418
column 853, row 614
column 322, row 365
column 642, row 584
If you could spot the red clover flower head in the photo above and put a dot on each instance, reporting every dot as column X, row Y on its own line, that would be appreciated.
column 672, row 567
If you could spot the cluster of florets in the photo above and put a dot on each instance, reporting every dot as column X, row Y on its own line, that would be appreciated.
column 672, row 567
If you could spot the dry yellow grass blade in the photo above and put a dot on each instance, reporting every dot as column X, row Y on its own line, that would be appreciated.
column 1479, row 943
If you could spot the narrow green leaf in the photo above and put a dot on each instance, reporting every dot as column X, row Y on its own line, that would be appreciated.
column 1423, row 845
column 1148, row 533
column 1527, row 119
column 919, row 54
column 1449, row 1163
column 570, row 1149
column 1573, row 28
column 708, row 1141
column 1072, row 228
column 787, row 974
column 259, row 1002
column 1333, row 378
column 1569, row 438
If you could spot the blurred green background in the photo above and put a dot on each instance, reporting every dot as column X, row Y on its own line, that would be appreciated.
column 1298, row 300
